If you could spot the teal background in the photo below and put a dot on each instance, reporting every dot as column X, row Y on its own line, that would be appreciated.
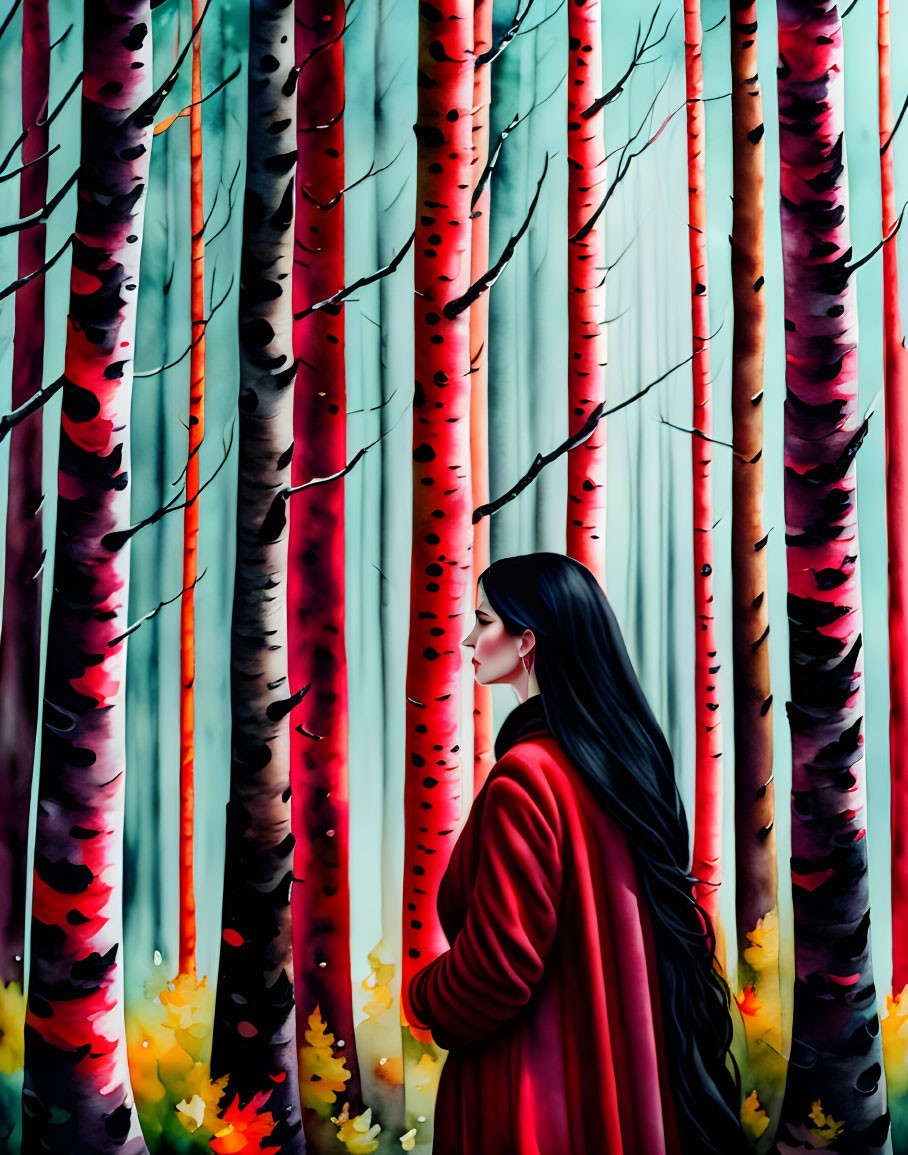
column 649, row 503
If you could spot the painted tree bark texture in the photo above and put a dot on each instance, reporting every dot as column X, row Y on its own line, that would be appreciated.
column 254, row 1040
column 836, row 1055
column 442, row 506
column 708, row 804
column 21, row 627
column 318, row 741
column 756, row 873
column 896, row 386
column 191, row 512
column 483, row 729
column 77, row 1094
column 586, row 466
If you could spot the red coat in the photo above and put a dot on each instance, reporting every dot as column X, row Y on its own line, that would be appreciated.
column 548, row 997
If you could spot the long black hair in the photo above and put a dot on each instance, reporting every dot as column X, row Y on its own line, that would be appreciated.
column 596, row 710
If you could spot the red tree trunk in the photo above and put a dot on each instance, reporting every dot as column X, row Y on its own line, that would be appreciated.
column 586, row 467
column 191, row 514
column 483, row 723
column 318, row 745
column 442, row 508
column 708, row 806
column 836, row 1056
column 896, row 369
column 20, row 634
column 756, row 873
column 76, row 1094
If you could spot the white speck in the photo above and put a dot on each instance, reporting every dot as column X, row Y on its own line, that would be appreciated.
column 381, row 1062
column 340, row 1042
column 145, row 1042
column 322, row 964
column 420, row 1118
column 158, row 958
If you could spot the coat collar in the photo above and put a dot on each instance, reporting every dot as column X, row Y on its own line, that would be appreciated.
column 525, row 720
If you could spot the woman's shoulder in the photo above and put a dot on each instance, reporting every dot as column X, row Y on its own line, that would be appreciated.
column 537, row 764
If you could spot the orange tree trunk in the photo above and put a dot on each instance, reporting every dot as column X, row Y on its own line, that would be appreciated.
column 756, row 873
column 20, row 634
column 483, row 726
column 254, row 1038
column 76, row 1094
column 586, row 466
column 442, row 531
column 708, row 806
column 191, row 513
column 896, row 369
column 836, row 1055
column 318, row 746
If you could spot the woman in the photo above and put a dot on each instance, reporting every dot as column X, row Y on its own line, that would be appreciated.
column 579, row 999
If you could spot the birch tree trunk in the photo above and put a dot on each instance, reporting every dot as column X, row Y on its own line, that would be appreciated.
column 836, row 1056
column 442, row 507
column 586, row 465
column 319, row 746
column 20, row 634
column 191, row 513
column 76, row 1094
column 708, row 804
column 896, row 385
column 254, row 1041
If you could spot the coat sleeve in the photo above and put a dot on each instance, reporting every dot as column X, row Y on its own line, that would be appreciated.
column 498, row 957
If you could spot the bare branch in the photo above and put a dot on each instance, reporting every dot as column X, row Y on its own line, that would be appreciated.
column 192, row 345
column 454, row 308
column 60, row 39
column 116, row 539
column 487, row 57
column 342, row 294
column 147, row 617
column 533, row 27
column 276, row 516
column 32, row 405
column 29, row 163
column 640, row 50
column 495, row 151
column 9, row 16
column 583, row 434
column 64, row 100
column 625, row 160
column 164, row 124
column 42, row 215
column 373, row 171
column 23, row 281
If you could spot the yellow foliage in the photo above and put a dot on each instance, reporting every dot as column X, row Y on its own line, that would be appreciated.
column 824, row 1125
column 170, row 1082
column 378, row 984
column 763, row 951
column 429, row 1071
column 894, row 1026
column 359, row 1134
column 322, row 1074
column 12, row 1027
column 753, row 1116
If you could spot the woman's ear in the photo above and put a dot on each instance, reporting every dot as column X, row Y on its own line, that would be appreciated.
column 526, row 644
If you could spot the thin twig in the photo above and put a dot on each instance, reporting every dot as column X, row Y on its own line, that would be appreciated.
column 583, row 434
column 147, row 617
column 342, row 294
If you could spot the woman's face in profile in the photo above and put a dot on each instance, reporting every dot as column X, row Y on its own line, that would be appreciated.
column 496, row 653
